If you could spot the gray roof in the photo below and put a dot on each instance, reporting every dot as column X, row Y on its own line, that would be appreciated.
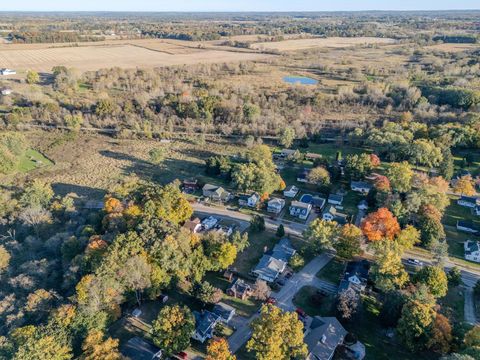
column 339, row 217
column 223, row 310
column 318, row 201
column 269, row 267
column 472, row 246
column 283, row 250
column 361, row 184
column 139, row 349
column 205, row 321
column 470, row 199
column 335, row 197
column 210, row 187
column 323, row 337
column 299, row 204
column 466, row 224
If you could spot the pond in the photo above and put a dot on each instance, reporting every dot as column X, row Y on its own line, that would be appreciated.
column 303, row 80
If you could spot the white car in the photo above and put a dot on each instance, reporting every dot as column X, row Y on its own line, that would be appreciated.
column 414, row 262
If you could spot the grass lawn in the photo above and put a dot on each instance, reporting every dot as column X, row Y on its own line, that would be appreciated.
column 329, row 150
column 332, row 272
column 455, row 212
column 247, row 260
column 453, row 304
column 32, row 159
column 306, row 299
column 455, row 240
column 350, row 202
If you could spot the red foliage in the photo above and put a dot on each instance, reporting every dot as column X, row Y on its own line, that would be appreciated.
column 375, row 160
column 382, row 183
column 380, row 225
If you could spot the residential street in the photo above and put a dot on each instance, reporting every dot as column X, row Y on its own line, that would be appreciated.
column 284, row 297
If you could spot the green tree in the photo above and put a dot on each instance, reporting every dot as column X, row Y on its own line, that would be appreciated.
column 425, row 152
column 454, row 277
column 321, row 234
column 388, row 271
column 415, row 323
column 37, row 194
column 157, row 155
column 32, row 77
column 257, row 223
column 400, row 176
column 349, row 242
column 434, row 278
column 319, row 176
column 287, row 136
column 408, row 237
column 280, row 231
column 207, row 293
column 357, row 166
column 277, row 335
column 296, row 262
column 172, row 329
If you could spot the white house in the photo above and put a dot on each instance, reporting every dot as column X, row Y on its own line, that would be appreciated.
column 275, row 205
column 477, row 210
column 332, row 214
column 209, row 222
column 7, row 72
column 273, row 263
column 205, row 322
column 468, row 201
column 362, row 205
column 248, row 200
column 335, row 199
column 361, row 186
column 472, row 250
column 291, row 191
column 6, row 91
column 224, row 311
column 287, row 152
column 300, row 209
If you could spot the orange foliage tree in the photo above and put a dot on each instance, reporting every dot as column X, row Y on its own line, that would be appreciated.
column 382, row 183
column 375, row 160
column 113, row 205
column 380, row 225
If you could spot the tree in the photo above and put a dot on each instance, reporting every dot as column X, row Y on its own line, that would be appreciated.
column 434, row 278
column 96, row 347
column 446, row 166
column 168, row 203
column 472, row 337
column 32, row 77
column 280, row 231
column 240, row 241
column 382, row 184
column 4, row 258
column 296, row 262
column 425, row 152
column 172, row 329
column 357, row 166
column 400, row 176
column 431, row 227
column 257, row 223
column 349, row 241
column 375, row 160
column 414, row 324
column 408, row 237
column 157, row 155
column 454, row 277
column 319, row 176
column 217, row 349
column 347, row 303
column 320, row 234
column 392, row 308
column 440, row 335
column 464, row 186
column 287, row 136
column 46, row 347
column 37, row 194
column 277, row 335
column 135, row 275
column 207, row 293
column 380, row 225
column 388, row 271
column 261, row 290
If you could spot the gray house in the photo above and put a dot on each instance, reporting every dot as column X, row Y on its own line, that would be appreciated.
column 323, row 336
column 274, row 262
column 139, row 349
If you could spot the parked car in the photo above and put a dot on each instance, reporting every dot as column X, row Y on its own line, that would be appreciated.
column 301, row 313
column 414, row 262
column 182, row 355
column 271, row 301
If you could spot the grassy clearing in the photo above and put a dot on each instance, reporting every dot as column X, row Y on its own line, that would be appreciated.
column 312, row 303
column 332, row 272
column 32, row 159
column 453, row 304
column 455, row 212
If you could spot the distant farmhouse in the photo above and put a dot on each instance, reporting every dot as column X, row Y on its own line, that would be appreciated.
column 361, row 187
column 7, row 72
column 472, row 250
column 216, row 193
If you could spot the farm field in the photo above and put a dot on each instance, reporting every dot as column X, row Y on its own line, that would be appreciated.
column 332, row 42
column 86, row 58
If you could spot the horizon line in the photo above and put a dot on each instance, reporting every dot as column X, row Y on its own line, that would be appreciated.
column 236, row 11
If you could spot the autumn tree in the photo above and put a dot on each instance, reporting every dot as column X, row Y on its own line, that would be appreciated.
column 374, row 160
column 347, row 303
column 382, row 184
column 388, row 271
column 380, row 225
column 43, row 346
column 349, row 241
column 287, row 136
column 400, row 176
column 296, row 262
column 277, row 335
column 434, row 278
column 319, row 176
column 430, row 225
column 440, row 335
column 95, row 346
column 320, row 234
column 217, row 349
column 4, row 258
column 172, row 329
column 464, row 186
column 32, row 77
column 408, row 237
column 357, row 166
column 261, row 290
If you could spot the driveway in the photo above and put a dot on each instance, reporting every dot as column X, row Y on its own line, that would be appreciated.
column 470, row 307
column 306, row 276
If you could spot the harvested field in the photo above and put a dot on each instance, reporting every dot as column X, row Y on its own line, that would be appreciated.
column 131, row 54
column 453, row 47
column 333, row 42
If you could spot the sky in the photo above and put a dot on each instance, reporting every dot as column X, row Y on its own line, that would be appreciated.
column 236, row 5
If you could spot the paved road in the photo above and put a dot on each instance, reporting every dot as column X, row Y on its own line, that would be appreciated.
column 306, row 276
column 469, row 308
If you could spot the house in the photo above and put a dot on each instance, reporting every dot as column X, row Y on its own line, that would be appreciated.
column 239, row 289
column 224, row 311
column 291, row 191
column 216, row 193
column 355, row 276
column 190, row 184
column 274, row 263
column 312, row 156
column 318, row 203
column 303, row 176
column 139, row 349
column 248, row 200
column 285, row 153
column 335, row 199
column 275, row 205
column 332, row 214
column 205, row 322
column 322, row 337
column 362, row 205
column 361, row 186
column 6, row 91
column 469, row 201
column 477, row 210
column 7, row 72
column 472, row 250
column 467, row 226
column 224, row 230
column 209, row 222
column 300, row 209
column 194, row 225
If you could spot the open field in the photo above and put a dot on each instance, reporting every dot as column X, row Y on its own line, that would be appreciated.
column 332, row 42
column 87, row 58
